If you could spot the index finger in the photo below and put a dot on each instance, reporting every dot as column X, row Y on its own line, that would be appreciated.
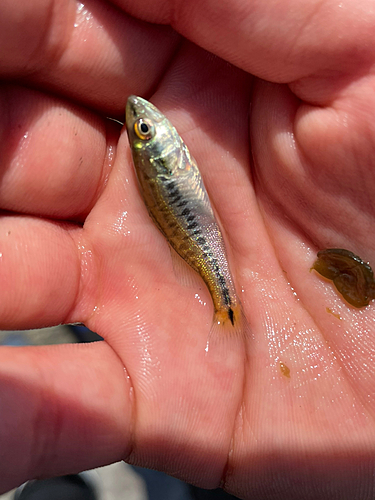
column 276, row 41
column 93, row 53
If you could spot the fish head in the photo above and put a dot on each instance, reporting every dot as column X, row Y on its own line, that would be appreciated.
column 152, row 137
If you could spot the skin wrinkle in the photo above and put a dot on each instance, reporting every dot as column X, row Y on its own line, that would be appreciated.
column 165, row 70
column 131, row 455
column 54, row 53
column 82, row 279
column 82, row 243
column 274, row 195
column 59, row 49
column 112, row 134
column 238, row 416
column 309, row 168
column 41, row 448
column 174, row 13
column 290, row 56
column 130, row 447
column 168, row 64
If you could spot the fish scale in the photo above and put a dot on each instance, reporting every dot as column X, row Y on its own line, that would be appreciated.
column 177, row 201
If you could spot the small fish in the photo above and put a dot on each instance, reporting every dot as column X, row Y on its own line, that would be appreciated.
column 178, row 203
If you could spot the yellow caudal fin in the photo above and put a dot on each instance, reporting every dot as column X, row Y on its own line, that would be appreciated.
column 229, row 325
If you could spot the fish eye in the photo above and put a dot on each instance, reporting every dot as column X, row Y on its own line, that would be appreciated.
column 144, row 129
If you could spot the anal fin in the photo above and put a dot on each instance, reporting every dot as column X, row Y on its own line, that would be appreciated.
column 184, row 274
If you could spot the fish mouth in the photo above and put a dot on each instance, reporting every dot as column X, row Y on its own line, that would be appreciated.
column 137, row 107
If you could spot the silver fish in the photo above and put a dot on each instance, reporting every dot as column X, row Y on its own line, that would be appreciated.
column 178, row 203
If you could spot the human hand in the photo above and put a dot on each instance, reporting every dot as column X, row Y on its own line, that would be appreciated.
column 77, row 244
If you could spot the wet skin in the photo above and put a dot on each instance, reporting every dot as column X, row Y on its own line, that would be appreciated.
column 287, row 159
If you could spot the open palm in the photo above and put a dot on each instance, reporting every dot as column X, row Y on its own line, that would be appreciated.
column 288, row 412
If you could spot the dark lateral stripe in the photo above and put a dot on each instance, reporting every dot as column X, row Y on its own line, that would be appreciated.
column 183, row 203
column 221, row 280
column 226, row 297
column 175, row 200
column 222, row 283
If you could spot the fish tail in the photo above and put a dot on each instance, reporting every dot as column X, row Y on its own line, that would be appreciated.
column 230, row 323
